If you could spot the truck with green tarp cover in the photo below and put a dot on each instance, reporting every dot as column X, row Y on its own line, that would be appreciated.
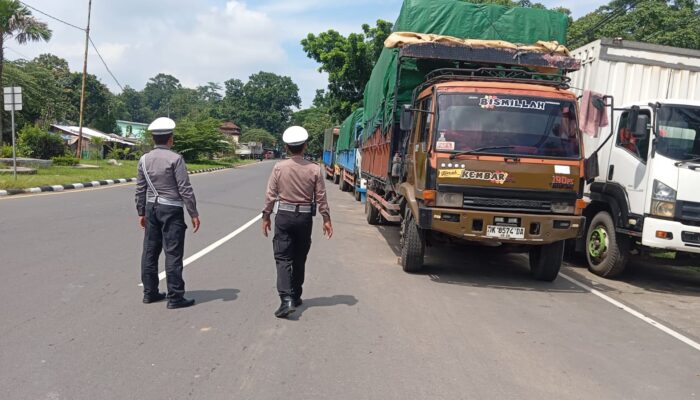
column 473, row 135
column 330, row 140
column 347, row 154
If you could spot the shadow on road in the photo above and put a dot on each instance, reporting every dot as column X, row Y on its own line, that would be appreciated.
column 205, row 296
column 337, row 300
column 478, row 266
column 652, row 275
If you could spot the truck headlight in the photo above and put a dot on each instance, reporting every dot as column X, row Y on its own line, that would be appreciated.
column 563, row 208
column 447, row 199
column 663, row 200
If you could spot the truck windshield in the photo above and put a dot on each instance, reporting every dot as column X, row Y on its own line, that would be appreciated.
column 518, row 125
column 678, row 136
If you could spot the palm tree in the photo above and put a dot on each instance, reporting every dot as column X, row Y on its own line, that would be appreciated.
column 16, row 21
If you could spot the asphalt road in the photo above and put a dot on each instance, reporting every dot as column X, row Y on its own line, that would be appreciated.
column 473, row 326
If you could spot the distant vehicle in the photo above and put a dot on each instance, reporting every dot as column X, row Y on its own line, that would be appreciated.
column 647, row 198
column 347, row 155
column 330, row 140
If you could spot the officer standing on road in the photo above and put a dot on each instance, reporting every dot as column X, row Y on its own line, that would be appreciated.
column 162, row 190
column 298, row 187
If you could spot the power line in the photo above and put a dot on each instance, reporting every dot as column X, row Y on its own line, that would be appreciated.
column 105, row 64
column 618, row 12
column 17, row 52
column 52, row 17
column 79, row 28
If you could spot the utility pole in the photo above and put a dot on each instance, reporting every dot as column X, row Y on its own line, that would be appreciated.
column 82, row 91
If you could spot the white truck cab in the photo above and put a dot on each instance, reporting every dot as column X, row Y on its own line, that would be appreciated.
column 647, row 194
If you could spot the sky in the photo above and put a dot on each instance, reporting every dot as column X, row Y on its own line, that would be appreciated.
column 200, row 41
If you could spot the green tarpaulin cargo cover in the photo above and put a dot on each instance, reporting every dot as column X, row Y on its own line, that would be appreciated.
column 346, row 140
column 453, row 18
column 482, row 21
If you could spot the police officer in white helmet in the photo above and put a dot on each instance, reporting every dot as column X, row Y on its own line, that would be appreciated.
column 163, row 190
column 298, row 186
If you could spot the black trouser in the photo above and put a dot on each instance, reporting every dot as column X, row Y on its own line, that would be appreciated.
column 291, row 245
column 165, row 230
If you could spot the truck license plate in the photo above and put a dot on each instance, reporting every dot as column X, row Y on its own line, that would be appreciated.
column 505, row 232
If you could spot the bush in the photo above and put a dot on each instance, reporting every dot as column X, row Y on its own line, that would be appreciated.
column 126, row 153
column 6, row 152
column 36, row 143
column 65, row 161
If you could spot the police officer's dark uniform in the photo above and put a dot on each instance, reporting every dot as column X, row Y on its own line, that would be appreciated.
column 162, row 190
column 298, row 186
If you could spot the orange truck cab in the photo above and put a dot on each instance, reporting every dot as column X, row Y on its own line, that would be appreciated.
column 490, row 152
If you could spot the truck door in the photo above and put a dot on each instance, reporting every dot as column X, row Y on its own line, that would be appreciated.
column 627, row 165
column 420, row 142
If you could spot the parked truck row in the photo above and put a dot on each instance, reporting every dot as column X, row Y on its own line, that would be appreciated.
column 481, row 141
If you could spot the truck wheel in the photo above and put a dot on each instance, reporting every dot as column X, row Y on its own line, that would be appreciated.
column 372, row 213
column 412, row 245
column 344, row 186
column 545, row 261
column 336, row 179
column 607, row 251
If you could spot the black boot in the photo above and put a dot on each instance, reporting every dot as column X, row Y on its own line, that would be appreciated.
column 180, row 303
column 286, row 308
column 153, row 298
column 297, row 301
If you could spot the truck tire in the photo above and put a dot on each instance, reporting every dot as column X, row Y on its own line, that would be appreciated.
column 372, row 213
column 336, row 179
column 412, row 245
column 607, row 252
column 344, row 186
column 545, row 261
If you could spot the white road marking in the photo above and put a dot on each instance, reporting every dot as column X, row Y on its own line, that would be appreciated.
column 214, row 245
column 634, row 312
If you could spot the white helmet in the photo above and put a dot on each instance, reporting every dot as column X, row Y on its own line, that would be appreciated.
column 295, row 136
column 162, row 126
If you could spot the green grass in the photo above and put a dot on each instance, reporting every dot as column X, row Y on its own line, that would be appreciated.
column 68, row 175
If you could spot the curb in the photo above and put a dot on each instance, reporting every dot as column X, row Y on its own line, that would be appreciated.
column 93, row 184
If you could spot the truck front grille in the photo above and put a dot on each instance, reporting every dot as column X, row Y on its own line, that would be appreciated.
column 503, row 204
column 689, row 212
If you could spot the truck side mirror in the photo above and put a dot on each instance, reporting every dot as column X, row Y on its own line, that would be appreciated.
column 641, row 128
column 632, row 118
column 591, row 169
column 406, row 118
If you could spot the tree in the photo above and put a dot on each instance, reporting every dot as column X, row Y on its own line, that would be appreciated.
column 195, row 138
column 258, row 135
column 44, row 96
column 135, row 108
column 99, row 110
column 315, row 121
column 671, row 23
column 232, row 106
column 16, row 21
column 348, row 62
column 187, row 102
column 268, row 100
column 158, row 92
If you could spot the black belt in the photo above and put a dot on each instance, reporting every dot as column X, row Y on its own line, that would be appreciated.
column 300, row 208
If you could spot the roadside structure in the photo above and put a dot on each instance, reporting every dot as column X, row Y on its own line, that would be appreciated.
column 231, row 131
column 89, row 145
column 130, row 129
